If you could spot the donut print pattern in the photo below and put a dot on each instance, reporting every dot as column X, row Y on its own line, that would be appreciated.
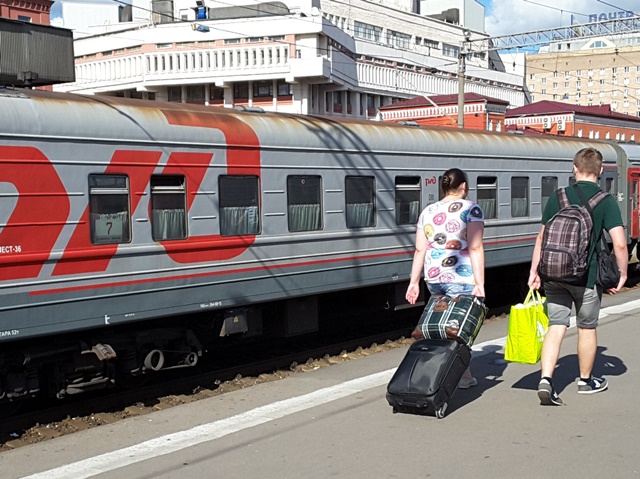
column 445, row 226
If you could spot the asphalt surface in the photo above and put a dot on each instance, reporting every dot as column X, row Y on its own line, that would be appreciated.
column 335, row 422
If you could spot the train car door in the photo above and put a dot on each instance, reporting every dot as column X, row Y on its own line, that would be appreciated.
column 634, row 198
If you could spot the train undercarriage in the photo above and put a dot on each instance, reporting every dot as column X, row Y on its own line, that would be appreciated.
column 126, row 356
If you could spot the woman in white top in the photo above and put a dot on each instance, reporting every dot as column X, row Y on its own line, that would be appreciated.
column 449, row 247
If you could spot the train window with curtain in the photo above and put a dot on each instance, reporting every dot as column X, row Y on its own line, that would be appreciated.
column 239, row 205
column 360, row 206
column 519, row 196
column 109, row 210
column 548, row 186
column 407, row 200
column 168, row 207
column 304, row 203
column 487, row 195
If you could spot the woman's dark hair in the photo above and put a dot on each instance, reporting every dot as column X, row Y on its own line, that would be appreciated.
column 452, row 179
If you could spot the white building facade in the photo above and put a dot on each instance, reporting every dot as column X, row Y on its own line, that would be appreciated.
column 302, row 56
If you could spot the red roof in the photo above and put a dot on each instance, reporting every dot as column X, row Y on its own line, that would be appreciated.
column 555, row 107
column 443, row 100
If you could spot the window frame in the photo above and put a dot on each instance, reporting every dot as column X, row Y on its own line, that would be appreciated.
column 353, row 189
column 160, row 188
column 99, row 187
column 293, row 199
column 407, row 187
column 247, row 197
column 527, row 191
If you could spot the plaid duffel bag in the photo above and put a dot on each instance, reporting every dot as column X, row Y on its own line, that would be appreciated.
column 458, row 318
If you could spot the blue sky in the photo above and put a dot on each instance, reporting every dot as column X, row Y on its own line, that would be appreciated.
column 505, row 17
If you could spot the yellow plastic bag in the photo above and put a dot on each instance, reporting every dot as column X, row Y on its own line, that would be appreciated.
column 528, row 323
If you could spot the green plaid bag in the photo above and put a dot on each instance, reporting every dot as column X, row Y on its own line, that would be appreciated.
column 457, row 318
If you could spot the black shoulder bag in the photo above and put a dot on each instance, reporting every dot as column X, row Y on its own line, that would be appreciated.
column 608, row 274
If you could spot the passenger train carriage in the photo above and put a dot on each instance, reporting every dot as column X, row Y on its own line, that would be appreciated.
column 116, row 214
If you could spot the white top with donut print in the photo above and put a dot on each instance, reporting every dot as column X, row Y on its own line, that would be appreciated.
column 445, row 225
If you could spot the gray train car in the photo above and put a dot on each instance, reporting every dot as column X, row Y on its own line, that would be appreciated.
column 115, row 214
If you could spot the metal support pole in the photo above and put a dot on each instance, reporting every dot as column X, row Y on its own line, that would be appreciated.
column 462, row 67
column 461, row 70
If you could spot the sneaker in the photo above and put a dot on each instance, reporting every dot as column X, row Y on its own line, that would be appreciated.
column 594, row 386
column 466, row 383
column 548, row 396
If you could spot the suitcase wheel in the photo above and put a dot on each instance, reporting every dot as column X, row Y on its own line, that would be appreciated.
column 440, row 412
column 395, row 411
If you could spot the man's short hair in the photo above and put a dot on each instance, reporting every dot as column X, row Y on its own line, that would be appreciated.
column 588, row 160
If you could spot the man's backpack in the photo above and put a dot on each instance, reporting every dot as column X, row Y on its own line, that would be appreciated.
column 564, row 255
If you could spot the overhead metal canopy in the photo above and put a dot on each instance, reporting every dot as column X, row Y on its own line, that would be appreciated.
column 617, row 26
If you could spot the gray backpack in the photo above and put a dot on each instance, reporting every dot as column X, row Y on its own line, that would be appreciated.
column 564, row 255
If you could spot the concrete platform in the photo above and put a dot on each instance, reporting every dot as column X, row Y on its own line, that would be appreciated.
column 335, row 422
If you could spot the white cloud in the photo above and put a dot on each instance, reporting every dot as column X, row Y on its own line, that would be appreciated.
column 506, row 17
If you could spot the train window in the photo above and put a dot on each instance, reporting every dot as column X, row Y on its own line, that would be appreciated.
column 359, row 196
column 608, row 185
column 519, row 196
column 487, row 193
column 407, row 200
column 304, row 203
column 548, row 186
column 109, row 209
column 239, row 206
column 168, row 207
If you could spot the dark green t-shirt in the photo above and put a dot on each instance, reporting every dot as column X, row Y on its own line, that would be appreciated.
column 606, row 215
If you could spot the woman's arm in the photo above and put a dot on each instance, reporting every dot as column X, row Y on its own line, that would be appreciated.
column 475, row 231
column 416, row 268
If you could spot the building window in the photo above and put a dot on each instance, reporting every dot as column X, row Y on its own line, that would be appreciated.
column 263, row 89
column 216, row 94
column 337, row 102
column 195, row 93
column 284, row 88
column 407, row 200
column 486, row 192
column 397, row 39
column 450, row 50
column 168, row 207
column 519, row 196
column 304, row 195
column 359, row 201
column 241, row 90
column 109, row 209
column 174, row 93
column 239, row 206
column 24, row 18
column 367, row 32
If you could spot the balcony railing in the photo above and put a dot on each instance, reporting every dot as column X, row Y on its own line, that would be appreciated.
column 164, row 66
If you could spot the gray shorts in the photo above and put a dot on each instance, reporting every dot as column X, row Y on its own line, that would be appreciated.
column 562, row 297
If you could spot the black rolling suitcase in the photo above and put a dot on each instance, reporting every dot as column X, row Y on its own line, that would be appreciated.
column 428, row 376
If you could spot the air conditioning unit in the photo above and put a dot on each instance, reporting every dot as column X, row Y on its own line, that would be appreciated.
column 546, row 123
column 562, row 125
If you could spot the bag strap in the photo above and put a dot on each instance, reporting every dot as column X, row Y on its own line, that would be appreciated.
column 595, row 199
column 563, row 199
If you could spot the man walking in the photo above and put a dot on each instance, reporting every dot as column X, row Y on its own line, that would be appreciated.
column 586, row 297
